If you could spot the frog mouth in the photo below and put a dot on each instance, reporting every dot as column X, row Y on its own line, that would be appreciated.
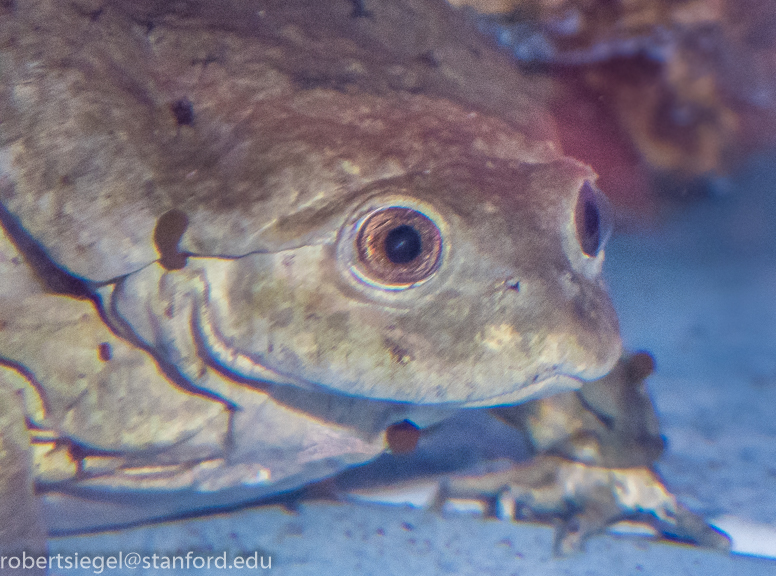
column 547, row 377
column 544, row 384
column 227, row 358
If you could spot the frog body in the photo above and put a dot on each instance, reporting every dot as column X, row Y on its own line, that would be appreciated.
column 241, row 243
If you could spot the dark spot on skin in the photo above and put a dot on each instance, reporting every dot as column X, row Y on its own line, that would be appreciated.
column 147, row 24
column 77, row 454
column 640, row 365
column 512, row 284
column 169, row 312
column 359, row 11
column 407, row 526
column 89, row 11
column 402, row 437
column 428, row 59
column 183, row 110
column 167, row 234
column 398, row 354
column 105, row 352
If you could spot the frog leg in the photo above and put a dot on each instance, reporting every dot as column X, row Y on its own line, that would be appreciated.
column 21, row 524
column 582, row 500
column 595, row 451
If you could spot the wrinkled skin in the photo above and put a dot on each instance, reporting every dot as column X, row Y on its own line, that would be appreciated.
column 189, row 306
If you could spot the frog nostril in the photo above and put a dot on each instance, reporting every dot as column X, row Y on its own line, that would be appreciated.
column 167, row 234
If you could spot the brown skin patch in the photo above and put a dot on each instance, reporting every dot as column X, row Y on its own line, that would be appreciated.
column 77, row 455
column 183, row 110
column 402, row 437
column 105, row 352
column 359, row 11
column 167, row 234
column 640, row 365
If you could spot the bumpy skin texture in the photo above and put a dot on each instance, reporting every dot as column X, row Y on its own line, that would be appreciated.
column 255, row 353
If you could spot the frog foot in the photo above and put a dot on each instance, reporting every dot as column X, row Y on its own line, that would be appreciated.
column 583, row 500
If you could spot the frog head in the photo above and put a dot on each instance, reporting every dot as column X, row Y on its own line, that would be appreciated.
column 473, row 283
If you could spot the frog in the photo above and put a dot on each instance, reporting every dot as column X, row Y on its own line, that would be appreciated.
column 249, row 245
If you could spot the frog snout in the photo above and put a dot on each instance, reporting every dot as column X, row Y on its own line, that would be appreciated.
column 560, row 323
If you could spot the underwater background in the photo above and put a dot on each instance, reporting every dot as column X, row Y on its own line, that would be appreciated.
column 674, row 103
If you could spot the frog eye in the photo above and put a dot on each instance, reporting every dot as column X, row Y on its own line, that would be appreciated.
column 398, row 246
column 593, row 219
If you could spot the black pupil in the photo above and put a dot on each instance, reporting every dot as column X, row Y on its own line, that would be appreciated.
column 402, row 244
column 592, row 232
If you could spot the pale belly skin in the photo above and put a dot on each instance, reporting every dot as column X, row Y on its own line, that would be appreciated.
column 243, row 245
